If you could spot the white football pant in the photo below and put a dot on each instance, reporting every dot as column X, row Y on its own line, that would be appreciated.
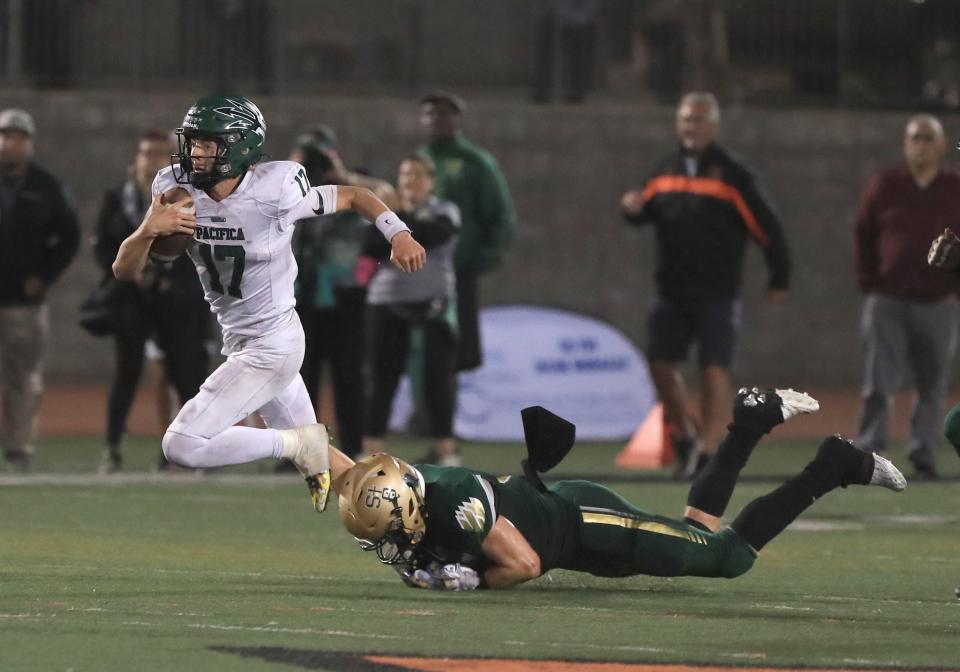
column 263, row 374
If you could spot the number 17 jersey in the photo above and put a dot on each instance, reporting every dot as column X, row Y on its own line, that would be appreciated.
column 242, row 245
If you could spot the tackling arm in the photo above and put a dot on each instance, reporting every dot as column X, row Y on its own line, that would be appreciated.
column 339, row 465
column 512, row 559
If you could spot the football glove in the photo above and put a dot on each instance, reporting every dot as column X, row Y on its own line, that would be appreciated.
column 945, row 251
column 453, row 576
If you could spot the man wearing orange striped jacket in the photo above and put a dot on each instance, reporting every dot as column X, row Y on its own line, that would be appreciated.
column 706, row 205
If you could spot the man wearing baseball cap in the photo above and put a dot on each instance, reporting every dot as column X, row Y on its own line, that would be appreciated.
column 469, row 176
column 39, row 235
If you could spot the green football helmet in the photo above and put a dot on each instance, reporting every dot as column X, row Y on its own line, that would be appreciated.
column 239, row 129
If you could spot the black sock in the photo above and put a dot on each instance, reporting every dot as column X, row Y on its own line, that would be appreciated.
column 837, row 464
column 711, row 490
column 682, row 448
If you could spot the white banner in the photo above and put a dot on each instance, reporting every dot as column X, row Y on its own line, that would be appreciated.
column 578, row 367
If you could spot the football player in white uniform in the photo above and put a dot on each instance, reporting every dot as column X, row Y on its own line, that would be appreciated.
column 240, row 213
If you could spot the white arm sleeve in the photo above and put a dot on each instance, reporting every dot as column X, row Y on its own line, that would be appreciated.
column 298, row 200
column 317, row 201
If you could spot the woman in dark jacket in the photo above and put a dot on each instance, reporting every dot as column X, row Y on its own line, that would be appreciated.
column 166, row 304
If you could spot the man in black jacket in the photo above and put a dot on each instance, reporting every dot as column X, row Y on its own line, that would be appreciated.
column 38, row 239
column 705, row 204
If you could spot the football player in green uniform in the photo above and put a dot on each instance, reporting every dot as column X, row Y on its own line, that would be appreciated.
column 457, row 529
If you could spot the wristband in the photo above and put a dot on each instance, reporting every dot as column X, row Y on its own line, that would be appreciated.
column 390, row 225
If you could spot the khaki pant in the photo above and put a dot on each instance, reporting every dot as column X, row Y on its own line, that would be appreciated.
column 23, row 335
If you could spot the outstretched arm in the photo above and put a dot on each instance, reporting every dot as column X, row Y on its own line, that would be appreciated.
column 339, row 465
column 512, row 559
column 406, row 254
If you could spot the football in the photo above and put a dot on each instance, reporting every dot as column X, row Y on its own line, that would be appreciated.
column 165, row 249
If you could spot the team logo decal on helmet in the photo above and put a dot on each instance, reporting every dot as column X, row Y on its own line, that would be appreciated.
column 237, row 126
column 245, row 115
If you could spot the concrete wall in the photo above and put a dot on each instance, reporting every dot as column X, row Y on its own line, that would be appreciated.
column 567, row 167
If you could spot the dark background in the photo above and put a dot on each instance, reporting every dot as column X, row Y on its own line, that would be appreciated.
column 814, row 93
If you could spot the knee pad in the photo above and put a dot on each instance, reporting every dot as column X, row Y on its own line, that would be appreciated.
column 180, row 448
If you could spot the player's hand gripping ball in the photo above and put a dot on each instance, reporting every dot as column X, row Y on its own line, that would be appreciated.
column 166, row 248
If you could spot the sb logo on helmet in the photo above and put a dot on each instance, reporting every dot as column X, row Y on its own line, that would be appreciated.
column 377, row 495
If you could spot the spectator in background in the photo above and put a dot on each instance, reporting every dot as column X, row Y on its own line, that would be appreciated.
column 397, row 302
column 330, row 300
column 39, row 235
column 166, row 303
column 705, row 204
column 941, row 73
column 469, row 177
column 566, row 45
column 910, row 312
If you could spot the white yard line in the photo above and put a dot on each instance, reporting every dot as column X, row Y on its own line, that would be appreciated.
column 274, row 628
column 298, row 631
column 150, row 478
column 782, row 607
column 211, row 572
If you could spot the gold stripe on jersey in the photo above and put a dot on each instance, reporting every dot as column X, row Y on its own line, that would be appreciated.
column 643, row 525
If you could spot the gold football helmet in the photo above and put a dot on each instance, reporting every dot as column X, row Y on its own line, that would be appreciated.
column 381, row 504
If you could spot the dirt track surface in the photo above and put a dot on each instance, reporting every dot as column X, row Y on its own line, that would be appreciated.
column 74, row 410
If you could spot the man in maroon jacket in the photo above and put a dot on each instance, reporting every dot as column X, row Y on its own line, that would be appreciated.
column 910, row 312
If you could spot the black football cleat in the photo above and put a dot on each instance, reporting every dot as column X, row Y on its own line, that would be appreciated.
column 766, row 409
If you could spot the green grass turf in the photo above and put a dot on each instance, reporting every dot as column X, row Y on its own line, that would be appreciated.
column 156, row 575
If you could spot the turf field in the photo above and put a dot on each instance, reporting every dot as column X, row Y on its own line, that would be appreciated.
column 233, row 571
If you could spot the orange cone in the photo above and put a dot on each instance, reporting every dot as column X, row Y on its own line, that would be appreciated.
column 649, row 447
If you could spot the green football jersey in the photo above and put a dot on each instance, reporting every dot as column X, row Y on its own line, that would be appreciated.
column 463, row 505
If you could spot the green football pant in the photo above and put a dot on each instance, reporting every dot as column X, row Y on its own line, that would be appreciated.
column 618, row 539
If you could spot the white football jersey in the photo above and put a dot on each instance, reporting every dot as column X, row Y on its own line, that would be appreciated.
column 242, row 250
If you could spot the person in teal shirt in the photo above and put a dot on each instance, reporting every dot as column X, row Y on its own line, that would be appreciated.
column 331, row 298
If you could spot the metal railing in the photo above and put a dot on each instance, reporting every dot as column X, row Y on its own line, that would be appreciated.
column 829, row 52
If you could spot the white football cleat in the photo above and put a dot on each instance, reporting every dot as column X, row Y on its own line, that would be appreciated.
column 768, row 408
column 886, row 475
column 310, row 446
column 313, row 454
column 794, row 403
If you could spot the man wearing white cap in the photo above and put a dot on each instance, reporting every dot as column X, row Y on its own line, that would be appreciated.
column 39, row 235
